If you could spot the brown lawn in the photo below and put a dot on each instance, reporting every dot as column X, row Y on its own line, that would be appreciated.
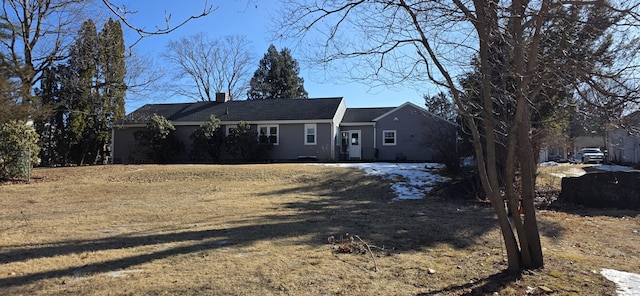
column 265, row 229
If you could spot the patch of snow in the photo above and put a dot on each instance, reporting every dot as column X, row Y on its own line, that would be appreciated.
column 409, row 180
column 121, row 273
column 468, row 161
column 627, row 284
column 571, row 172
column 575, row 172
column 554, row 163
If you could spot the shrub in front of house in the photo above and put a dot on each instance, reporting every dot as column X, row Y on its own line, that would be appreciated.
column 157, row 141
column 243, row 144
column 207, row 141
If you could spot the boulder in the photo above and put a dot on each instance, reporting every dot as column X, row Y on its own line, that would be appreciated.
column 603, row 190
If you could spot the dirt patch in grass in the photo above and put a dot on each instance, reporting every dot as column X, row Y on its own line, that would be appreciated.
column 268, row 229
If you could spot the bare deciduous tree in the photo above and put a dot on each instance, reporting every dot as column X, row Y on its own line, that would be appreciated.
column 435, row 41
column 210, row 66
column 123, row 13
column 39, row 33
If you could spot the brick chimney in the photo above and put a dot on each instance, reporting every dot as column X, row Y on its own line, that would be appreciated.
column 222, row 97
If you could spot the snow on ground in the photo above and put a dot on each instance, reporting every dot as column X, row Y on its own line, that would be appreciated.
column 577, row 172
column 414, row 180
column 571, row 172
column 409, row 180
column 627, row 284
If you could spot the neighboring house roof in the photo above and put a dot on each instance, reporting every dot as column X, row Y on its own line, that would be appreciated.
column 233, row 111
column 353, row 115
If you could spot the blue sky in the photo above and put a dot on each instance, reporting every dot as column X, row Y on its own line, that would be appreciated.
column 252, row 19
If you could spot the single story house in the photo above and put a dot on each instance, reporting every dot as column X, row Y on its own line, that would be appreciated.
column 321, row 128
column 624, row 141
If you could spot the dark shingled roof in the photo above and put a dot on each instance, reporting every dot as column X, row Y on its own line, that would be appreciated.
column 250, row 110
column 364, row 114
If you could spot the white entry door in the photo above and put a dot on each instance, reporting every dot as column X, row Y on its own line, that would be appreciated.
column 355, row 147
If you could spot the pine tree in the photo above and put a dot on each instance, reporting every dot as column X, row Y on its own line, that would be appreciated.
column 86, row 96
column 79, row 84
column 111, row 85
column 52, row 128
column 277, row 77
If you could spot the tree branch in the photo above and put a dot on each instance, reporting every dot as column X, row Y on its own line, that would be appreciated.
column 121, row 13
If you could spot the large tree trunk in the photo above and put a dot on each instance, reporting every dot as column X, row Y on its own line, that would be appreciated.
column 530, row 238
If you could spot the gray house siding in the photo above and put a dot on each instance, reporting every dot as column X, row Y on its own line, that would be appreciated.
column 417, row 133
column 412, row 127
column 122, row 152
column 292, row 146
column 624, row 146
column 291, row 143
column 408, row 124
column 367, row 140
column 127, row 152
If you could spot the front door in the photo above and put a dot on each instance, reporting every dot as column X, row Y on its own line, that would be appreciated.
column 355, row 148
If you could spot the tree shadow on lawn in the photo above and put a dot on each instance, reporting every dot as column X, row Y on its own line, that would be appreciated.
column 364, row 205
column 492, row 284
column 346, row 202
column 585, row 211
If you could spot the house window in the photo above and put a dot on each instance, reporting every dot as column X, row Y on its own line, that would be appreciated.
column 310, row 134
column 389, row 138
column 269, row 131
column 231, row 128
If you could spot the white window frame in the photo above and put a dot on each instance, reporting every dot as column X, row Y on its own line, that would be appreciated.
column 228, row 128
column 268, row 127
column 307, row 127
column 384, row 138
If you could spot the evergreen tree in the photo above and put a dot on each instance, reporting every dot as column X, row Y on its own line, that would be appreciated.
column 79, row 84
column 442, row 106
column 52, row 129
column 111, row 87
column 86, row 96
column 277, row 77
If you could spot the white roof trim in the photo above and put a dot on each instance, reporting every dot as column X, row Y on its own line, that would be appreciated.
column 415, row 106
column 357, row 123
column 397, row 108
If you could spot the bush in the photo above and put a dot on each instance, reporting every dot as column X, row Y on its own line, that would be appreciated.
column 246, row 145
column 16, row 139
column 207, row 140
column 157, row 141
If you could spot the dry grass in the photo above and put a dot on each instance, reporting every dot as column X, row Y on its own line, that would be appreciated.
column 264, row 229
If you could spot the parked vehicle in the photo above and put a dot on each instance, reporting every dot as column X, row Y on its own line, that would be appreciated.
column 589, row 155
